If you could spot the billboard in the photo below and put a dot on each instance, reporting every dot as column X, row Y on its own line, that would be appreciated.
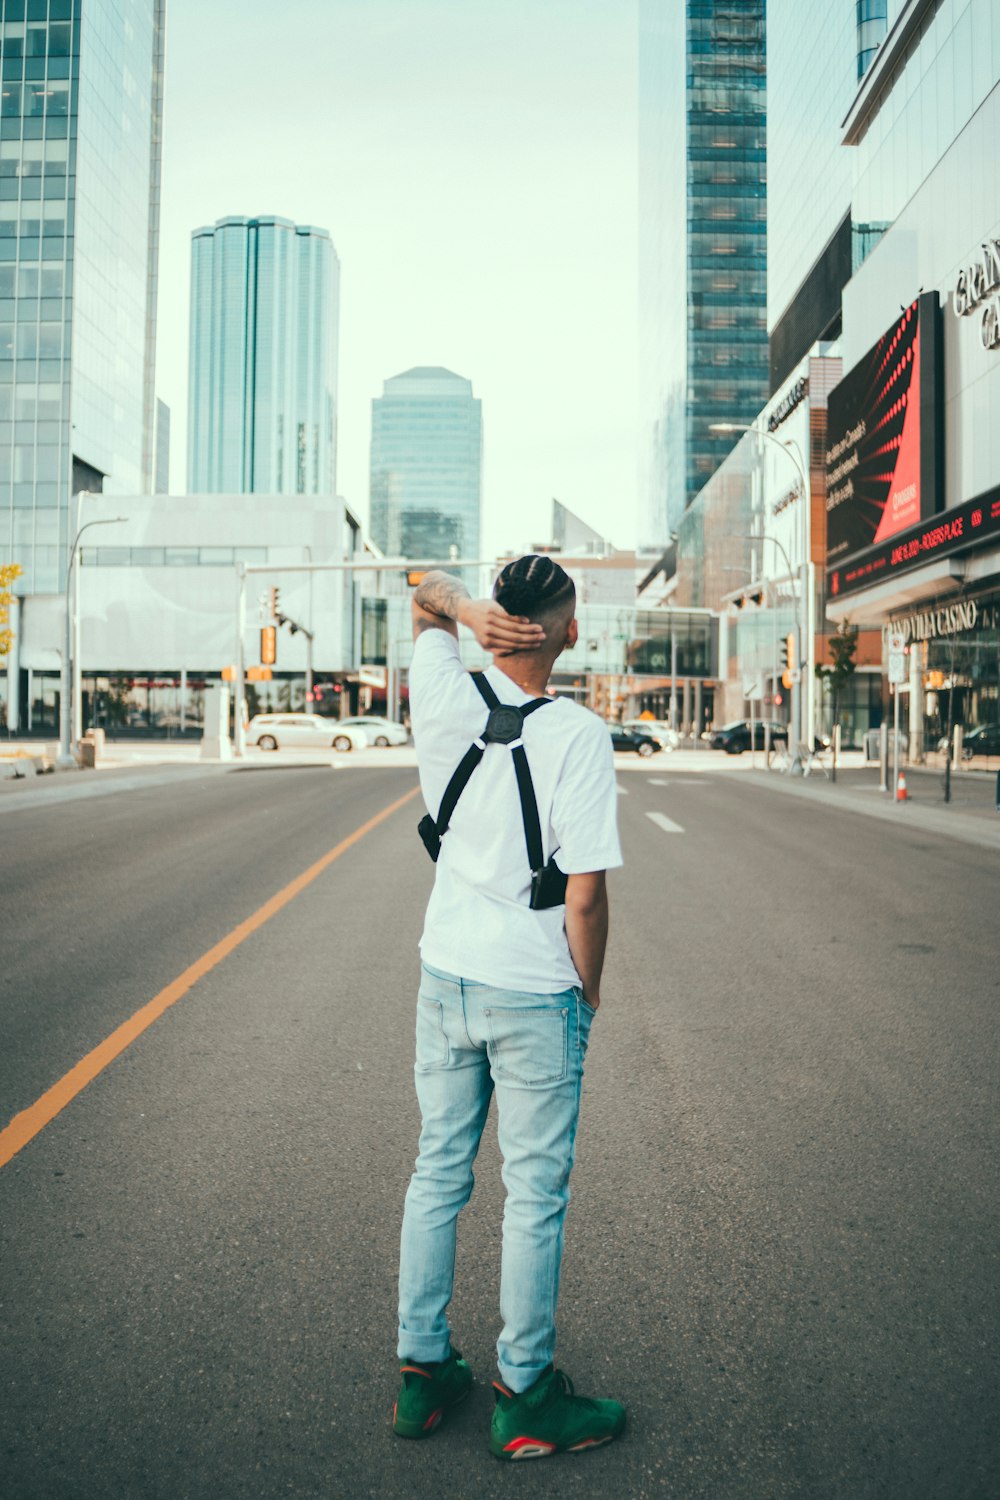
column 965, row 526
column 883, row 455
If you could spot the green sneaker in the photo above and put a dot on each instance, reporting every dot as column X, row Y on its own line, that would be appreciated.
column 548, row 1418
column 427, row 1392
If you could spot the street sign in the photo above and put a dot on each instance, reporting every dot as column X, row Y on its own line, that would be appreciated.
column 370, row 676
column 753, row 687
column 897, row 658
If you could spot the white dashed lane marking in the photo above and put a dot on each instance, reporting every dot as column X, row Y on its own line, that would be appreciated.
column 622, row 790
column 691, row 782
column 662, row 821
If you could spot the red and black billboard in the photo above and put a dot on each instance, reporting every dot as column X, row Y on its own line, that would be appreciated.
column 883, row 456
column 956, row 530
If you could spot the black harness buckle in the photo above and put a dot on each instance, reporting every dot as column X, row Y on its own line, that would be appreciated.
column 504, row 725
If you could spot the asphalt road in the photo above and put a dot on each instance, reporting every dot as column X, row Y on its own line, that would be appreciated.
column 782, row 1247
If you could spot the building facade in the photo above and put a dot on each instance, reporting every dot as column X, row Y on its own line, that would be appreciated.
column 702, row 244
column 753, row 547
column 80, row 122
column 426, row 466
column 158, row 617
column 262, row 388
column 915, row 529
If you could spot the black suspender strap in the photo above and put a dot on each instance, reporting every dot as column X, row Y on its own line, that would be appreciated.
column 502, row 727
column 529, row 809
column 457, row 785
column 486, row 692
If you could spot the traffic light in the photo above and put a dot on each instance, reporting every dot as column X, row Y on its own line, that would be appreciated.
column 789, row 661
column 274, row 602
column 268, row 645
column 415, row 576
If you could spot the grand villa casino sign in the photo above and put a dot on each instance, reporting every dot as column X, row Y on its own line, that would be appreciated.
column 977, row 291
column 961, row 617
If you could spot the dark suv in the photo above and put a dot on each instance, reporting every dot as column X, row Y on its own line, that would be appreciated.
column 631, row 739
column 735, row 738
column 983, row 740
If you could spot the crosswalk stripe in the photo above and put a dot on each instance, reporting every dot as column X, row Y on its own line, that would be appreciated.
column 654, row 782
column 622, row 790
column 662, row 821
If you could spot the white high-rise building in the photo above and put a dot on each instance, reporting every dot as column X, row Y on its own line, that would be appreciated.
column 262, row 390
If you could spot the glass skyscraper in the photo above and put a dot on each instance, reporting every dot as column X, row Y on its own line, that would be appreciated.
column 426, row 465
column 80, row 120
column 702, row 244
column 262, row 390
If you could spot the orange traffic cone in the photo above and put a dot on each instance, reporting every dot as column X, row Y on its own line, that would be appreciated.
column 901, row 793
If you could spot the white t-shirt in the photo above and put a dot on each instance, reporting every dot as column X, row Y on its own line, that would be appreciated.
column 479, row 924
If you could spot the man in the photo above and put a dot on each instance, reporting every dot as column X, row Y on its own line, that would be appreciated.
column 507, row 995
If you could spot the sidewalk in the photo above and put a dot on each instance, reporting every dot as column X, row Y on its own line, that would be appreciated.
column 970, row 816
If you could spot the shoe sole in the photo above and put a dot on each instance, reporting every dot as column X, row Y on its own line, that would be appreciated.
column 433, row 1422
column 526, row 1447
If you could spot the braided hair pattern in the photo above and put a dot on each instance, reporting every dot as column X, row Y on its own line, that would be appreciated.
column 533, row 585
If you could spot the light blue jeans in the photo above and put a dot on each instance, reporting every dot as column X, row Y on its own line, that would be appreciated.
column 472, row 1039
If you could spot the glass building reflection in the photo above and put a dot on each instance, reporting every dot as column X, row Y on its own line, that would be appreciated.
column 426, row 465
column 262, row 389
column 80, row 120
column 702, row 243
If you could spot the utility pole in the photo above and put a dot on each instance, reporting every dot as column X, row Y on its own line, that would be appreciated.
column 66, row 709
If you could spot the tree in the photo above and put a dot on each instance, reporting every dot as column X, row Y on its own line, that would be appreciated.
column 8, row 573
column 836, row 677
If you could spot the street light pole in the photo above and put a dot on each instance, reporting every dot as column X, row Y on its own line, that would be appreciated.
column 799, row 718
column 66, row 702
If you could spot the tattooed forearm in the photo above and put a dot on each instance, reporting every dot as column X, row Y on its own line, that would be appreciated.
column 440, row 594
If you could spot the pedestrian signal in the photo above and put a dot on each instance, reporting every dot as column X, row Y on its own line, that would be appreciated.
column 268, row 645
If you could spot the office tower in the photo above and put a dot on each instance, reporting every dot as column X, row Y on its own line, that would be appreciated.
column 818, row 231
column 262, row 389
column 702, row 244
column 426, row 465
column 80, row 122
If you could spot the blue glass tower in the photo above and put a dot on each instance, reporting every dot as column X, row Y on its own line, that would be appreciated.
column 262, row 390
column 426, row 465
column 702, row 238
column 80, row 120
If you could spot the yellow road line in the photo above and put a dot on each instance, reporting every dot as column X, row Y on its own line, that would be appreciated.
column 25, row 1126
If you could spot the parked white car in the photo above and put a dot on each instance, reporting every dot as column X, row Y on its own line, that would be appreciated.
column 303, row 732
column 665, row 737
column 379, row 731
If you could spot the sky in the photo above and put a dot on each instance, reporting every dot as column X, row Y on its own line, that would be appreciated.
column 475, row 164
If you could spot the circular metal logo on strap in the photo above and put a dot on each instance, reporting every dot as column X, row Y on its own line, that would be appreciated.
column 503, row 725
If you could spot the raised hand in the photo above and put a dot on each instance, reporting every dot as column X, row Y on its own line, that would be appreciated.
column 496, row 630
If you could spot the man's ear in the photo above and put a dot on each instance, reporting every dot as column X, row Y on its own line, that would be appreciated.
column 572, row 634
